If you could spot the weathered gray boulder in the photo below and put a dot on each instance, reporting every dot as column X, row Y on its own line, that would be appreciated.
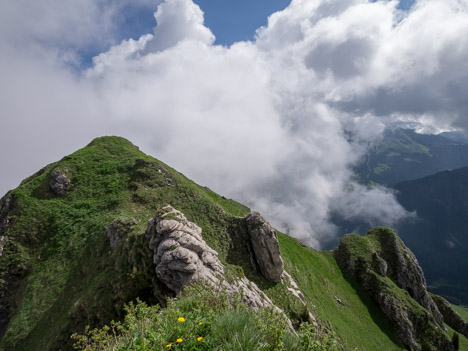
column 182, row 256
column 60, row 182
column 265, row 247
column 451, row 317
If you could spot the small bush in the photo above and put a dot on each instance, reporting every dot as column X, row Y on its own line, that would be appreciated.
column 203, row 318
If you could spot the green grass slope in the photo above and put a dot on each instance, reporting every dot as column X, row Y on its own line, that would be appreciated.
column 462, row 311
column 57, row 260
column 59, row 273
column 337, row 298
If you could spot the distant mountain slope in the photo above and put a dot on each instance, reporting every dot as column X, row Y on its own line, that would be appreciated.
column 439, row 237
column 403, row 155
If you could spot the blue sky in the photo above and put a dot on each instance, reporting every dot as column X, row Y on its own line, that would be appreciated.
column 232, row 21
column 229, row 20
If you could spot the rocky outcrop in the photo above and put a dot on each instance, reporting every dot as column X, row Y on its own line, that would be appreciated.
column 391, row 275
column 265, row 247
column 292, row 287
column 115, row 231
column 451, row 317
column 60, row 182
column 403, row 268
column 6, row 205
column 4, row 212
column 182, row 256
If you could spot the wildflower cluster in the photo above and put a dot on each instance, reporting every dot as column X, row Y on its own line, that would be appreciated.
column 203, row 319
column 188, row 333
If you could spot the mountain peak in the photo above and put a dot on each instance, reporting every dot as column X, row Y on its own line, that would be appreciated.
column 77, row 245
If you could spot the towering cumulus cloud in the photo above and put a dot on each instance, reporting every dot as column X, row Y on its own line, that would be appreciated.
column 276, row 123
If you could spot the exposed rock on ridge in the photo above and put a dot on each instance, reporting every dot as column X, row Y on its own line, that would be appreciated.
column 60, row 182
column 451, row 317
column 115, row 231
column 380, row 255
column 182, row 256
column 4, row 212
column 265, row 246
column 5, row 208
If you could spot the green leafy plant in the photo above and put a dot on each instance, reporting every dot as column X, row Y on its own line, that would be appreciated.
column 204, row 318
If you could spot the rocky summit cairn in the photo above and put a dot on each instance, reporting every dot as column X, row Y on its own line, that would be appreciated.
column 391, row 275
column 182, row 256
column 265, row 247
column 60, row 182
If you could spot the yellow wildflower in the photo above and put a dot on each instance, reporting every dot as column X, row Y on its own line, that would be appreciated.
column 179, row 340
column 169, row 345
column 199, row 338
column 200, row 323
column 181, row 319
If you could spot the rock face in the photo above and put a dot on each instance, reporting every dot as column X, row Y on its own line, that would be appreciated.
column 5, row 208
column 60, row 182
column 115, row 231
column 451, row 317
column 265, row 247
column 403, row 268
column 294, row 289
column 182, row 256
column 391, row 275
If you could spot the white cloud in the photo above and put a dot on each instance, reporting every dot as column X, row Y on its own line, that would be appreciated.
column 277, row 123
column 178, row 20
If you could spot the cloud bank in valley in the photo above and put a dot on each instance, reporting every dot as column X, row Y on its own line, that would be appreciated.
column 276, row 123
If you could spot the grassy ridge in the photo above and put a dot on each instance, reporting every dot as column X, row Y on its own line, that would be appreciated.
column 356, row 319
column 68, row 276
column 59, row 247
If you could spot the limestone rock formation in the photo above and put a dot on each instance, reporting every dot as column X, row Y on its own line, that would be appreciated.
column 391, row 275
column 60, row 182
column 182, row 256
column 265, row 246
column 451, row 317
